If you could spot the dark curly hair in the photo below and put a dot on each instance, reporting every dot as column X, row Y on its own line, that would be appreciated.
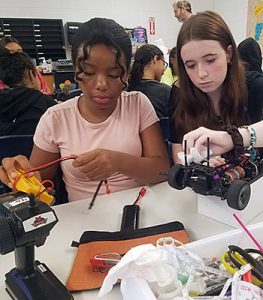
column 13, row 67
column 143, row 56
column 8, row 39
column 101, row 31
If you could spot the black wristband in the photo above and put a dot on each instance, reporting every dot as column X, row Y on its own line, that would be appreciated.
column 237, row 141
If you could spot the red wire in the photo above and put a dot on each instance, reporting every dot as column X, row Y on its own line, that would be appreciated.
column 51, row 163
column 108, row 191
column 44, row 166
column 140, row 195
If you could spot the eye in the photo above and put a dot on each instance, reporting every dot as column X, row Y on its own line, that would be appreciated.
column 190, row 66
column 210, row 61
column 88, row 74
column 114, row 76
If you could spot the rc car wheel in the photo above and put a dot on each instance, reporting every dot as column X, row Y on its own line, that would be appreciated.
column 175, row 177
column 238, row 195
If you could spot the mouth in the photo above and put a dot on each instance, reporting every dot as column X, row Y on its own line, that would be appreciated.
column 205, row 84
column 102, row 99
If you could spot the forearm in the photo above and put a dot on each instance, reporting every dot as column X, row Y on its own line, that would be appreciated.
column 143, row 169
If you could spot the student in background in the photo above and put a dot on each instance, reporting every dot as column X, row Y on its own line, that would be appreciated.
column 170, row 74
column 147, row 70
column 250, row 52
column 114, row 133
column 213, row 88
column 13, row 45
column 21, row 102
column 182, row 10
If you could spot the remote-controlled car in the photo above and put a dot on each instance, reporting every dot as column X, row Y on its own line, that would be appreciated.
column 230, row 181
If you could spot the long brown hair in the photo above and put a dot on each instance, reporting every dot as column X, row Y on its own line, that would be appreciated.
column 193, row 107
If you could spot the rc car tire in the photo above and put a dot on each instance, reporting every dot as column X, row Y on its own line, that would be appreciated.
column 238, row 195
column 175, row 176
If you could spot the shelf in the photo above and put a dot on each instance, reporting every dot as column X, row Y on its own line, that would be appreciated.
column 38, row 37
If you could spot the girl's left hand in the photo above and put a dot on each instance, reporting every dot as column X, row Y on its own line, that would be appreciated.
column 215, row 161
column 98, row 164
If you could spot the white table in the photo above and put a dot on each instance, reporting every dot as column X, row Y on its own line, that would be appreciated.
column 161, row 204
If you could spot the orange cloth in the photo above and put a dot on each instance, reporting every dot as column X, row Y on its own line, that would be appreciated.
column 82, row 277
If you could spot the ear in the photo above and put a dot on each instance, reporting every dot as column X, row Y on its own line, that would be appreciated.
column 229, row 53
column 155, row 59
column 31, row 76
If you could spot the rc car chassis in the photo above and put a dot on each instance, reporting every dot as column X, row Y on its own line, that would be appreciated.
column 230, row 181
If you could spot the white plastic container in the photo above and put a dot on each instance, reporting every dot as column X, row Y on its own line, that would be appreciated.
column 216, row 245
column 217, row 209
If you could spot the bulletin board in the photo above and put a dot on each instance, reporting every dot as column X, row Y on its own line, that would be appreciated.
column 255, row 21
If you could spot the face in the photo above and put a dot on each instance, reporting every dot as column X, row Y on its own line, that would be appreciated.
column 179, row 13
column 13, row 47
column 173, row 61
column 206, row 63
column 101, row 82
column 160, row 67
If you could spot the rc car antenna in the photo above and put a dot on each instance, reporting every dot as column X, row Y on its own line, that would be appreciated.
column 208, row 151
column 185, row 153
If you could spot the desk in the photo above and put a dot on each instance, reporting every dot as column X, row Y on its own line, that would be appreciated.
column 161, row 204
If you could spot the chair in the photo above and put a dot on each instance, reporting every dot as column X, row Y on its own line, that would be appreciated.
column 74, row 93
column 13, row 145
column 165, row 128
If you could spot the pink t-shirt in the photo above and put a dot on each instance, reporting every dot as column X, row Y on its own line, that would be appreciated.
column 63, row 130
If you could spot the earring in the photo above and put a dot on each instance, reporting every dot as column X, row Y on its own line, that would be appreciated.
column 125, row 86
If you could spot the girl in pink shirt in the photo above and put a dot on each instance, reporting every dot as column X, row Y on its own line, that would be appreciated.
column 114, row 133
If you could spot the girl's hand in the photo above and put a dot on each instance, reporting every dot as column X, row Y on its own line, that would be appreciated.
column 215, row 161
column 220, row 141
column 10, row 165
column 98, row 164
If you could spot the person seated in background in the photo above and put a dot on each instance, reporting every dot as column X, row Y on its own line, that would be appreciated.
column 13, row 45
column 213, row 88
column 170, row 74
column 115, row 134
column 250, row 52
column 147, row 70
column 21, row 102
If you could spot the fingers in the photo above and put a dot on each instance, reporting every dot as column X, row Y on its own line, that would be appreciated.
column 215, row 161
column 196, row 138
column 201, row 142
column 10, row 165
column 85, row 158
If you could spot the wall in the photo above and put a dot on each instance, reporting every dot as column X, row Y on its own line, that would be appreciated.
column 235, row 15
column 127, row 13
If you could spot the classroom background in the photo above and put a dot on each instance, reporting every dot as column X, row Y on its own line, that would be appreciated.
column 130, row 13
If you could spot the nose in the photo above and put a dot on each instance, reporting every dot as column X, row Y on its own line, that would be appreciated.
column 202, row 71
column 101, row 82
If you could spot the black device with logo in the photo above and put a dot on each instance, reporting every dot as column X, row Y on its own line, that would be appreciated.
column 25, row 223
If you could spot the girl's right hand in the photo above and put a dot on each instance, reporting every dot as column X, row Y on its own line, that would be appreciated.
column 220, row 141
column 10, row 165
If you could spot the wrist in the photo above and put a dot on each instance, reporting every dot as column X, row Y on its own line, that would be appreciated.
column 251, row 136
column 245, row 135
column 237, row 140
